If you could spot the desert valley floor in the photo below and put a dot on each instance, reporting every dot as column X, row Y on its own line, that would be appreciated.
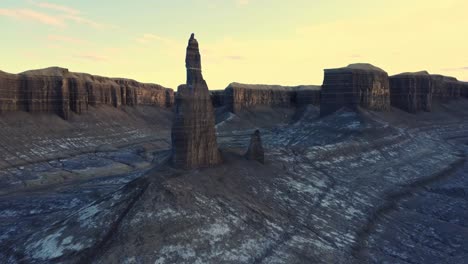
column 352, row 187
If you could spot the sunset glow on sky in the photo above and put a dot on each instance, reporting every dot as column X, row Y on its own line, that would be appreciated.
column 249, row 41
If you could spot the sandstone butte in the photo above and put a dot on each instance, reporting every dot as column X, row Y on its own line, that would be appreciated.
column 416, row 91
column 357, row 85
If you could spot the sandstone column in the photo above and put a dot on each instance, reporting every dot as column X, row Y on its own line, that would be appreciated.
column 193, row 132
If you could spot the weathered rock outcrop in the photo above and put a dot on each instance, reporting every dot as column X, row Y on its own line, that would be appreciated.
column 445, row 88
column 412, row 92
column 193, row 132
column 56, row 90
column 217, row 97
column 464, row 89
column 170, row 98
column 255, row 151
column 243, row 96
column 238, row 97
column 355, row 85
column 418, row 91
column 307, row 94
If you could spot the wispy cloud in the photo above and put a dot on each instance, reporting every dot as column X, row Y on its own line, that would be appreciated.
column 148, row 37
column 85, row 21
column 235, row 57
column 51, row 14
column 456, row 69
column 92, row 57
column 72, row 40
column 70, row 14
column 242, row 2
column 61, row 8
column 35, row 16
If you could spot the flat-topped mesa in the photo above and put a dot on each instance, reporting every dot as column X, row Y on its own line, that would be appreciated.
column 412, row 92
column 58, row 91
column 238, row 96
column 418, row 91
column 193, row 132
column 356, row 85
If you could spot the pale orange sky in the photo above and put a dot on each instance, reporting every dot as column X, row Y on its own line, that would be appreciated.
column 250, row 41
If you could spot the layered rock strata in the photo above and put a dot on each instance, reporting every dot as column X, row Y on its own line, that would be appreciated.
column 418, row 91
column 355, row 85
column 238, row 97
column 255, row 150
column 58, row 91
column 193, row 132
column 445, row 88
column 412, row 92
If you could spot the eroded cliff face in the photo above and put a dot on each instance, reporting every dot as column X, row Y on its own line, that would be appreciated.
column 307, row 94
column 194, row 142
column 418, row 91
column 464, row 89
column 355, row 85
column 56, row 90
column 412, row 92
column 243, row 96
column 32, row 93
column 238, row 97
column 446, row 88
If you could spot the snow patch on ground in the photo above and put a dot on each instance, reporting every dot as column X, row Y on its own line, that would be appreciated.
column 51, row 246
column 86, row 215
column 302, row 188
column 216, row 232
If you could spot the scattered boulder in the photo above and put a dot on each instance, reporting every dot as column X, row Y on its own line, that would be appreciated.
column 255, row 151
column 356, row 85
column 59, row 91
column 193, row 132
column 412, row 92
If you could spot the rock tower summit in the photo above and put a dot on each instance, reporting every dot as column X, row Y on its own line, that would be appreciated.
column 193, row 132
column 193, row 62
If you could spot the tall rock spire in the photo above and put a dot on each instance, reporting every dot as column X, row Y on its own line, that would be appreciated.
column 193, row 62
column 193, row 132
